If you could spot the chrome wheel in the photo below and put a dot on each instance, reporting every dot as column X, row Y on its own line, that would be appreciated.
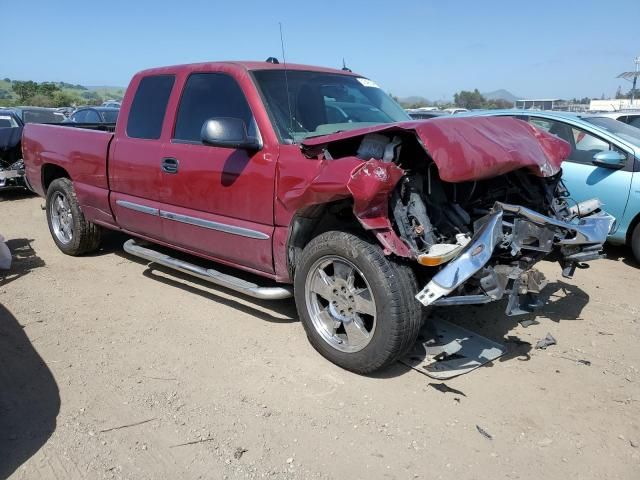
column 340, row 303
column 61, row 218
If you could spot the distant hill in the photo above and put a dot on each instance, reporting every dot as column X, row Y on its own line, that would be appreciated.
column 83, row 94
column 413, row 99
column 501, row 94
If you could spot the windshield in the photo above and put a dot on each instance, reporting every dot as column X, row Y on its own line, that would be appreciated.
column 41, row 116
column 321, row 103
column 7, row 121
column 110, row 116
column 622, row 130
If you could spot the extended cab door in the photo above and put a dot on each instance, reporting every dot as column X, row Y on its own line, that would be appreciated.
column 135, row 164
column 219, row 201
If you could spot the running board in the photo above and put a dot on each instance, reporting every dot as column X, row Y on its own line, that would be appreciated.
column 208, row 274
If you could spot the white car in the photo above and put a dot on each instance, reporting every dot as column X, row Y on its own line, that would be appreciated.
column 630, row 117
column 453, row 111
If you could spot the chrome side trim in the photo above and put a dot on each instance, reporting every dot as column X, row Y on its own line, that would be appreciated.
column 221, row 227
column 138, row 208
column 233, row 283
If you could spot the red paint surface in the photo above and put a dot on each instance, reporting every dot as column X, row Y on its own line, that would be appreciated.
column 473, row 148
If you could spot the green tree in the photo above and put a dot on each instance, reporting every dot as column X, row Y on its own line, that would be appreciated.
column 92, row 97
column 470, row 100
column 48, row 89
column 65, row 99
column 40, row 100
column 25, row 90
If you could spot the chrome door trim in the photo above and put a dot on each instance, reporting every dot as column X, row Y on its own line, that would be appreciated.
column 138, row 208
column 221, row 227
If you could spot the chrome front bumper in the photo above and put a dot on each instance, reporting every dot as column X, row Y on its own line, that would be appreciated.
column 526, row 230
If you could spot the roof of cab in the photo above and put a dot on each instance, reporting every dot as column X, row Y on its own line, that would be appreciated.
column 243, row 65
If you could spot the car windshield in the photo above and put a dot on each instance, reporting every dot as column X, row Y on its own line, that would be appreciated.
column 620, row 129
column 7, row 121
column 304, row 104
column 110, row 116
column 41, row 116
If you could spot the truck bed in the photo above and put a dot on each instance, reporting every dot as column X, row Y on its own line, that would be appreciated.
column 82, row 151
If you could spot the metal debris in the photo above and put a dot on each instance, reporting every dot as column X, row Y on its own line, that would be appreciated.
column 239, row 452
column 483, row 432
column 444, row 388
column 127, row 426
column 528, row 322
column 546, row 342
column 445, row 350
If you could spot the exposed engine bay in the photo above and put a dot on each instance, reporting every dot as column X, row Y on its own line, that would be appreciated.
column 480, row 236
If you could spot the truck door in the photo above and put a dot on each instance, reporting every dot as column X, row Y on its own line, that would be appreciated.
column 218, row 201
column 135, row 169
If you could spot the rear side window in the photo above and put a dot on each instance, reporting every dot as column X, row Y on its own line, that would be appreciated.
column 209, row 95
column 149, row 106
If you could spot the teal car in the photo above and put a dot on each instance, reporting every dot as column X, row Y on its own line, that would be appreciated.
column 604, row 163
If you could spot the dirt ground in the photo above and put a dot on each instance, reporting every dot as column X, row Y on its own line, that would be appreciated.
column 209, row 385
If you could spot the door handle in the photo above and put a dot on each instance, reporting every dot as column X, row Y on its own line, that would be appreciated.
column 169, row 165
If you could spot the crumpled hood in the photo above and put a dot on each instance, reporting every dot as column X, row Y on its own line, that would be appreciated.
column 471, row 148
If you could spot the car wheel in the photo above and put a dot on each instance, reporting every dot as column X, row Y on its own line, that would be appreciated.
column 357, row 306
column 71, row 232
column 635, row 243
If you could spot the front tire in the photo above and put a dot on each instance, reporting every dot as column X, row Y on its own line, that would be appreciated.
column 72, row 233
column 635, row 243
column 356, row 305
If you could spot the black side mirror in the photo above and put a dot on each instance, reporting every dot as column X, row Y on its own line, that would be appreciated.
column 609, row 159
column 228, row 132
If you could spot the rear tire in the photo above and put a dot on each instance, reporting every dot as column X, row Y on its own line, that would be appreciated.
column 72, row 233
column 635, row 243
column 365, row 316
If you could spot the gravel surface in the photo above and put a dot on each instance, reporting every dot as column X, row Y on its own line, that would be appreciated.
column 112, row 369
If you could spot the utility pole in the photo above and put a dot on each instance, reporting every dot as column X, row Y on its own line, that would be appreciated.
column 635, row 79
column 632, row 77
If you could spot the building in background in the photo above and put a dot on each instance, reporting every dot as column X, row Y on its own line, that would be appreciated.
column 536, row 104
column 614, row 105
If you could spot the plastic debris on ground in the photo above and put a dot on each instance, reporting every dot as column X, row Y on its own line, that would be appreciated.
column 445, row 350
column 546, row 342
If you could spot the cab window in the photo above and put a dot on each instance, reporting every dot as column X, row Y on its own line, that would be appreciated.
column 210, row 95
column 149, row 106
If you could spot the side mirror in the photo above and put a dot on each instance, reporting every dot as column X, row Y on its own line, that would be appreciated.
column 609, row 159
column 228, row 132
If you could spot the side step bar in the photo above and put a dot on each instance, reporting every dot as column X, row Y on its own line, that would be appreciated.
column 208, row 274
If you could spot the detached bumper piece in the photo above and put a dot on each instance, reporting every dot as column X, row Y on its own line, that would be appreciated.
column 498, row 259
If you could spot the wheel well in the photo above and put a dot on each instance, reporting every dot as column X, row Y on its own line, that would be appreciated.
column 51, row 172
column 632, row 227
column 315, row 220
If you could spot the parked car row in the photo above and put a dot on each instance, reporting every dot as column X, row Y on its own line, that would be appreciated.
column 94, row 115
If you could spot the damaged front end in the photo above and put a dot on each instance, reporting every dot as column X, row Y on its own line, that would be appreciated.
column 498, row 260
column 476, row 201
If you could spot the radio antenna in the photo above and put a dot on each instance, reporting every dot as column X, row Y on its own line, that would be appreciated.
column 286, row 82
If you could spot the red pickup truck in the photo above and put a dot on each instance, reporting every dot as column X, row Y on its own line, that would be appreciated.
column 316, row 179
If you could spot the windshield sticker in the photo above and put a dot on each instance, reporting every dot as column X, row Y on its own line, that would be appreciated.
column 367, row 83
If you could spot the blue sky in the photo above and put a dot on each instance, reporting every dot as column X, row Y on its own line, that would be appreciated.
column 429, row 48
